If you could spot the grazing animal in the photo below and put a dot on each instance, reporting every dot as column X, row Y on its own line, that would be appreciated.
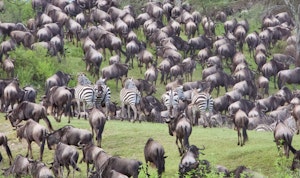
column 296, row 114
column 20, row 167
column 202, row 102
column 28, row 110
column 60, row 99
column 58, row 79
column 64, row 156
column 171, row 100
column 241, row 122
column 12, row 94
column 97, row 120
column 86, row 95
column 181, row 127
column 154, row 153
column 289, row 76
column 130, row 97
column 93, row 60
column 4, row 143
column 69, row 135
column 189, row 161
column 33, row 132
column 283, row 136
column 90, row 153
column 128, row 167
column 105, row 94
column 114, row 71
column 39, row 169
column 9, row 67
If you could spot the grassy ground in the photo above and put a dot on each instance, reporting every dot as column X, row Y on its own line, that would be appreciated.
column 127, row 139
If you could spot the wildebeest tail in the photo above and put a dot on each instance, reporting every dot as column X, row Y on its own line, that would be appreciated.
column 73, row 161
column 99, row 132
column 44, row 137
column 186, row 138
column 46, row 119
column 245, row 135
column 8, row 152
column 293, row 150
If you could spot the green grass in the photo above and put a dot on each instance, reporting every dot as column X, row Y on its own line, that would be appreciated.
column 127, row 139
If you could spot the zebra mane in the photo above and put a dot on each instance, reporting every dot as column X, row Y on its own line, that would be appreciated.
column 129, row 83
column 83, row 80
column 100, row 81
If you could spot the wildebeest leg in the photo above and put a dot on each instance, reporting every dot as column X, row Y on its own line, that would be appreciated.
column 29, row 150
column 239, row 135
column 122, row 111
column 180, row 147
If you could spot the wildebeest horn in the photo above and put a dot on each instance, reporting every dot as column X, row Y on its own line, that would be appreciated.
column 203, row 148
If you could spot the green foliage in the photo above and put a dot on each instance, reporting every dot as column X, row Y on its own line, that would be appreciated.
column 34, row 66
column 17, row 11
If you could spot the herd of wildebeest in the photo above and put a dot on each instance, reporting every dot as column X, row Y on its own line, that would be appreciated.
column 173, row 31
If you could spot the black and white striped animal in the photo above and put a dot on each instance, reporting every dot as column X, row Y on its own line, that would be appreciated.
column 84, row 94
column 204, row 103
column 171, row 100
column 104, row 95
column 131, row 97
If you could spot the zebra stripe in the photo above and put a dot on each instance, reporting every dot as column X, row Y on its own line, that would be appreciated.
column 171, row 100
column 86, row 95
column 103, row 95
column 130, row 97
column 203, row 100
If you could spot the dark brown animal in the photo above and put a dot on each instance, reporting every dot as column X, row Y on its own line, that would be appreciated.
column 190, row 161
column 283, row 136
column 20, row 167
column 12, row 95
column 241, row 122
column 114, row 71
column 154, row 153
column 39, row 169
column 97, row 120
column 64, row 156
column 4, row 143
column 128, row 167
column 33, row 132
column 58, row 79
column 59, row 99
column 27, row 110
column 90, row 152
column 182, row 128
column 69, row 135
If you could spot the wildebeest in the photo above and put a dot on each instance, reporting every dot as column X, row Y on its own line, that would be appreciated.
column 58, row 79
column 69, row 135
column 114, row 71
column 154, row 153
column 59, row 99
column 97, row 121
column 4, row 143
column 189, row 161
column 20, row 167
column 90, row 153
column 93, row 60
column 28, row 110
column 39, row 169
column 283, row 137
column 64, row 156
column 181, row 127
column 12, row 94
column 289, row 76
column 33, row 132
column 241, row 122
column 9, row 67
column 128, row 167
column 296, row 114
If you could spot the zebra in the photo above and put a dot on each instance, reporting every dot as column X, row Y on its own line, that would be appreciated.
column 171, row 100
column 203, row 102
column 131, row 98
column 84, row 94
column 103, row 96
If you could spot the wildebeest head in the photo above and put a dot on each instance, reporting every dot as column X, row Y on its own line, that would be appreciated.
column 54, row 138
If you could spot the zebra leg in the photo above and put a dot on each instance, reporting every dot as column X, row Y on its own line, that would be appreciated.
column 135, row 112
